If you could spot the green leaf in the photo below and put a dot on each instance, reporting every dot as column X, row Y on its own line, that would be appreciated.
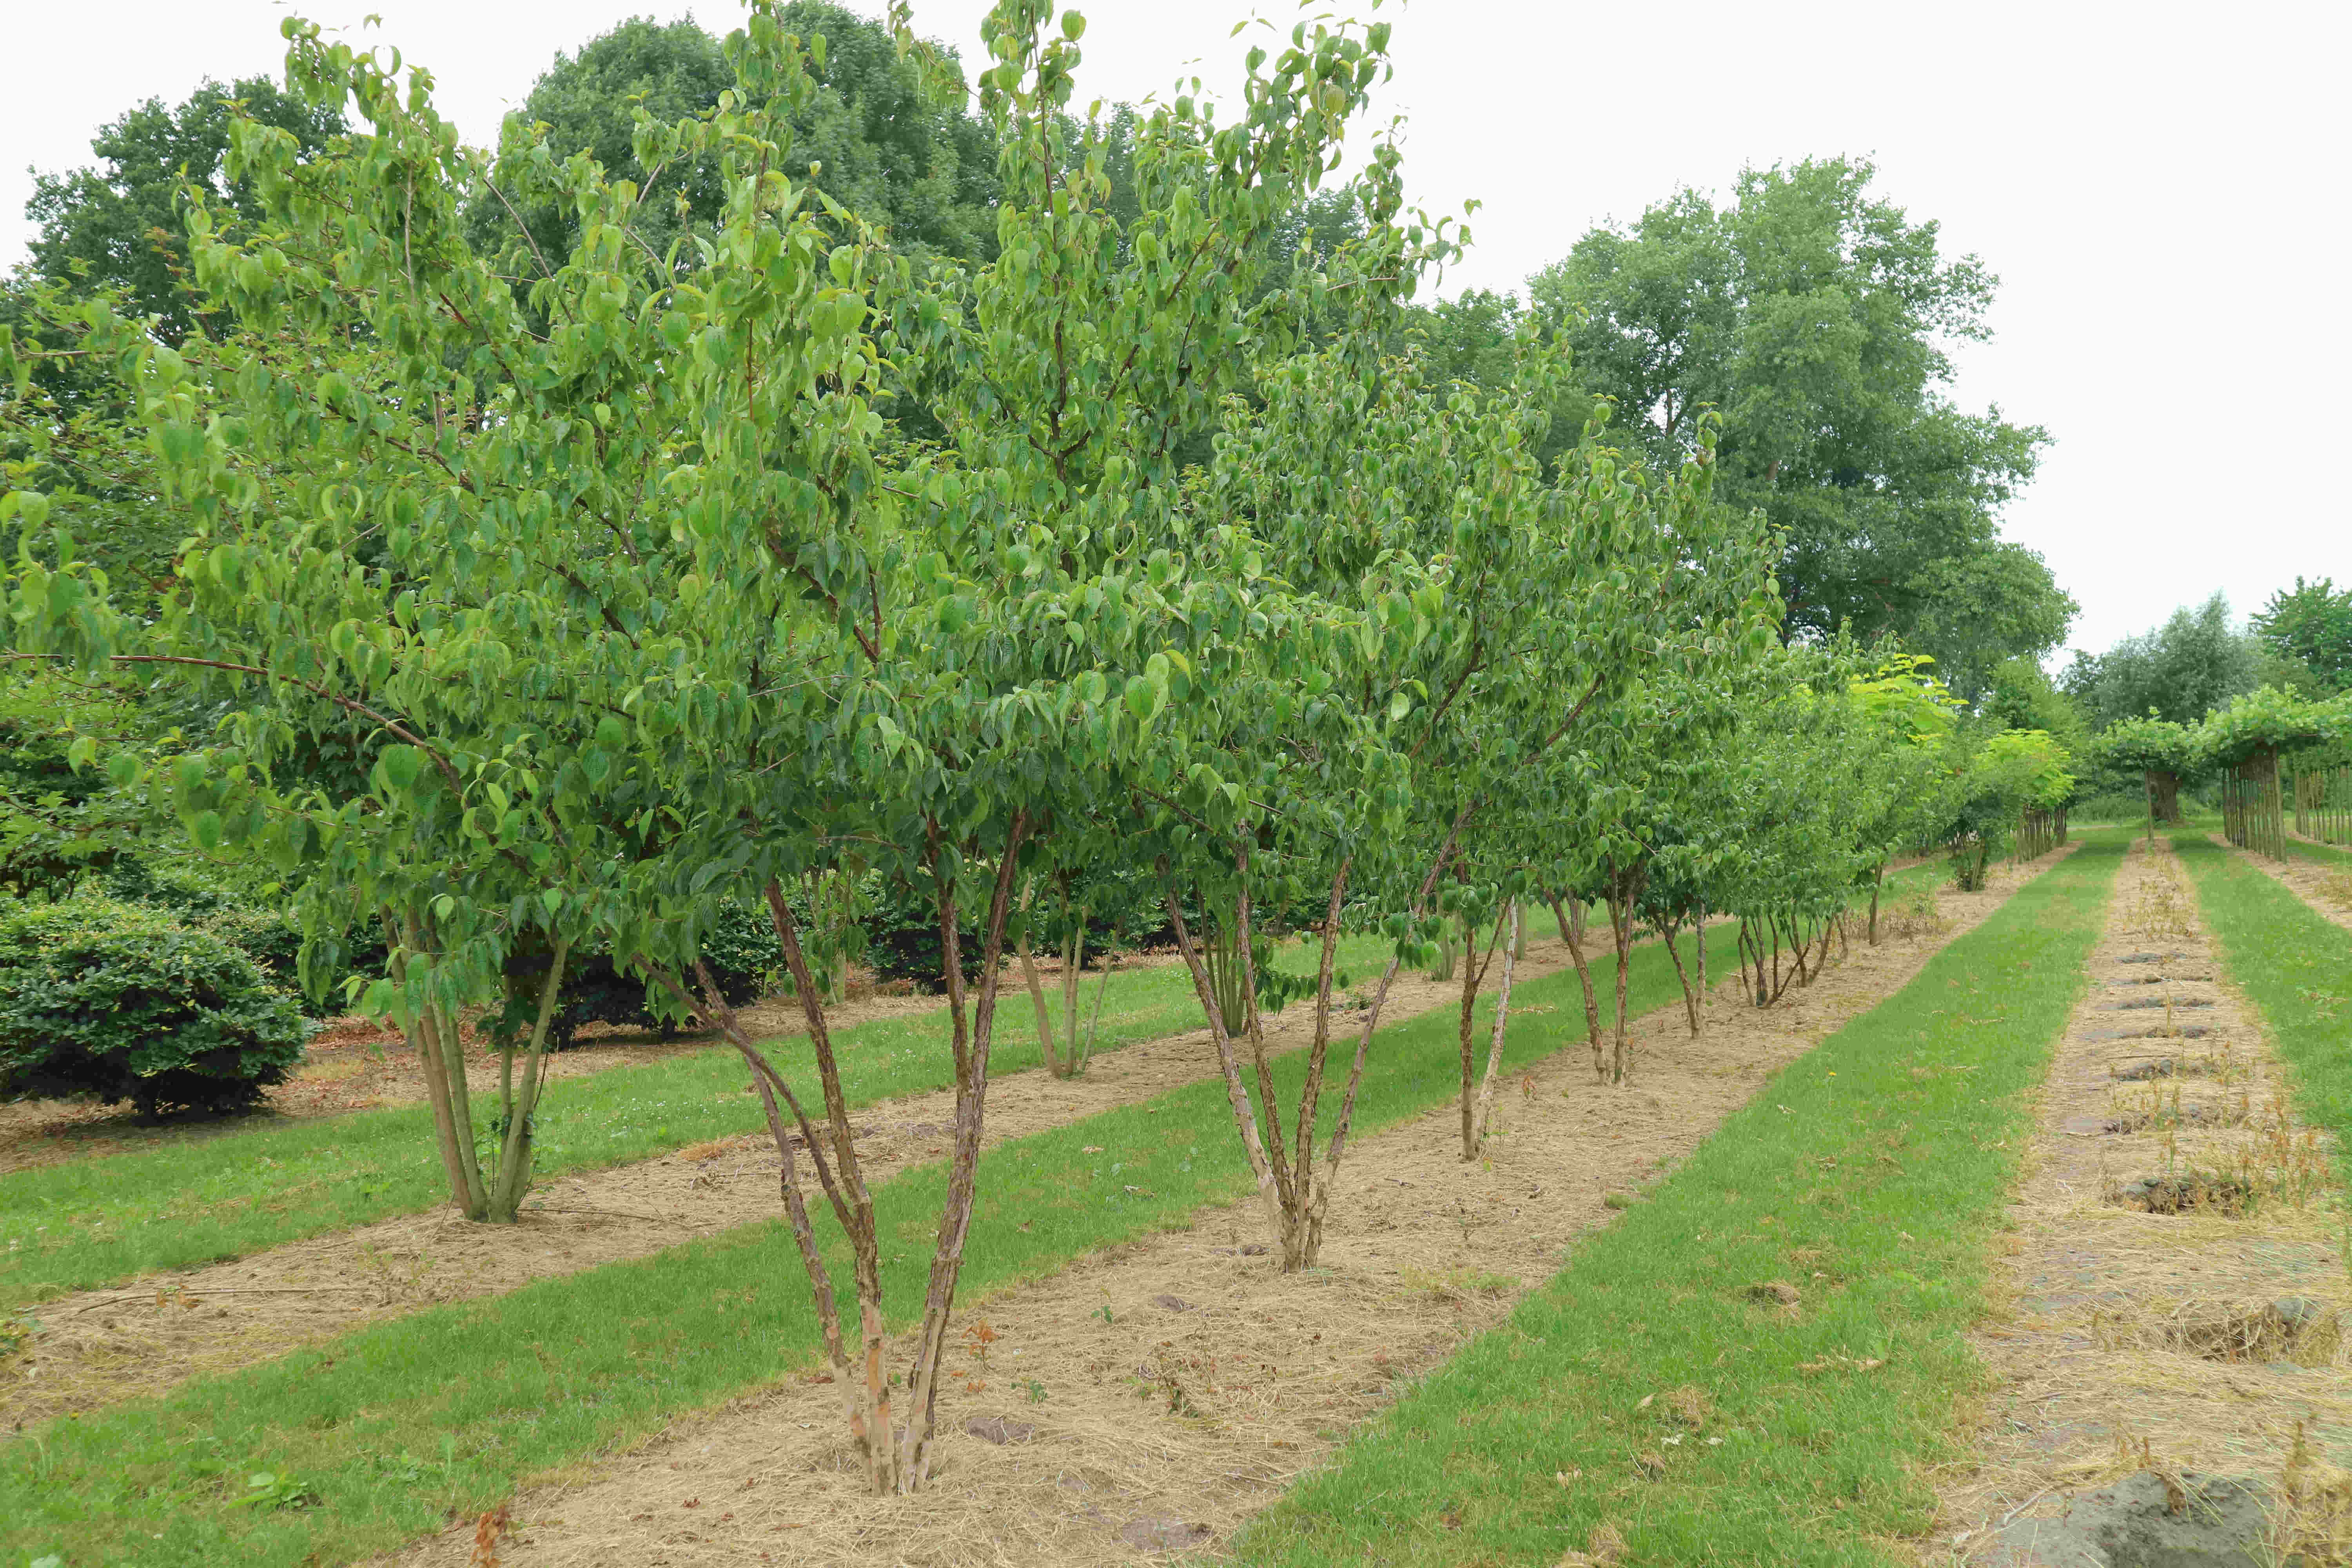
column 403, row 766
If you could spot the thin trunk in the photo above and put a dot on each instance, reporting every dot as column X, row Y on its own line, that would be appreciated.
column 915, row 1448
column 421, row 1039
column 866, row 1386
column 1311, row 1092
column 1495, row 1049
column 1877, row 879
column 1690, row 996
column 1705, row 997
column 866, row 1399
column 1044, row 1014
column 1473, row 974
column 1074, row 961
column 1094, row 1021
column 1318, row 1204
column 1269, row 1192
column 1572, row 931
column 516, row 1151
column 1254, row 1027
column 1621, row 928
column 451, row 1030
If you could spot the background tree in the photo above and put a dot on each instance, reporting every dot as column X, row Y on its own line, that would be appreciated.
column 122, row 222
column 869, row 134
column 2181, row 670
column 2310, row 624
column 1815, row 318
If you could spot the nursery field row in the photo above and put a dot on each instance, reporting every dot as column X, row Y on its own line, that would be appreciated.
column 380, row 1434
column 1752, row 1366
column 93, row 1224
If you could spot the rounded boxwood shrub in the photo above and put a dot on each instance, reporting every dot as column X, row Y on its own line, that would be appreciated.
column 105, row 998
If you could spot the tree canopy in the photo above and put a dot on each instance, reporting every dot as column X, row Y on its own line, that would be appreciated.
column 1816, row 318
column 121, row 221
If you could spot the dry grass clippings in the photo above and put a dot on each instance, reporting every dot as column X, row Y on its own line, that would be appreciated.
column 2173, row 1294
column 1165, row 1390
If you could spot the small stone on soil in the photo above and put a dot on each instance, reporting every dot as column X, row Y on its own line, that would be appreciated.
column 1000, row 1429
column 1162, row 1534
column 2223, row 1523
column 1173, row 1303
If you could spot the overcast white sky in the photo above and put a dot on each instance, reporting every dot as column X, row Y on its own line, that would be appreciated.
column 2160, row 187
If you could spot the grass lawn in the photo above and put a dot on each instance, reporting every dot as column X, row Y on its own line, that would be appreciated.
column 1659, row 1387
column 85, row 1224
column 2296, row 965
column 88, row 1223
column 388, row 1429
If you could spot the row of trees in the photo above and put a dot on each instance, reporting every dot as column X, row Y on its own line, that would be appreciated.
column 556, row 587
column 1811, row 315
column 2271, row 749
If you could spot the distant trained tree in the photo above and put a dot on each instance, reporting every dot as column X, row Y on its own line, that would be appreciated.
column 1815, row 317
column 123, row 222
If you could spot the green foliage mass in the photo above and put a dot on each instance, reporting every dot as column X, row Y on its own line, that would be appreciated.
column 2311, row 625
column 1815, row 317
column 104, row 998
column 2180, row 670
column 122, row 221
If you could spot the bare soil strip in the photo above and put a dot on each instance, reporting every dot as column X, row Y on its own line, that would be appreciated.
column 2328, row 890
column 2173, row 1289
column 1150, row 1397
column 100, row 1346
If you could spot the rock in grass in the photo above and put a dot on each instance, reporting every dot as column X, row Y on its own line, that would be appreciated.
column 2146, row 1520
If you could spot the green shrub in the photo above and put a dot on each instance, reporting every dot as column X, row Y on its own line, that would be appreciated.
column 126, row 1003
column 739, row 947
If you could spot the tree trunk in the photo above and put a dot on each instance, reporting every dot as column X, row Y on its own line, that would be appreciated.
column 1473, row 974
column 1044, row 1014
column 512, row 1182
column 1073, row 962
column 1274, row 1192
column 1494, row 1051
column 1705, row 997
column 453, row 1121
column 1877, row 880
column 1690, row 996
column 1621, row 932
column 1571, row 929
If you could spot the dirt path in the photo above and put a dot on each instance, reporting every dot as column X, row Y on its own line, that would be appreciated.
column 2129, row 1336
column 2328, row 891
column 100, row 1346
column 1152, row 1396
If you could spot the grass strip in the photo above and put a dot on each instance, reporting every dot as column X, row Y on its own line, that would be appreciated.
column 84, row 1224
column 1869, row 1175
column 2296, row 965
column 387, row 1432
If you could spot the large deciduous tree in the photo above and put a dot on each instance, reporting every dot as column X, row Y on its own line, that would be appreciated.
column 1816, row 318
column 2180, row 670
column 123, row 220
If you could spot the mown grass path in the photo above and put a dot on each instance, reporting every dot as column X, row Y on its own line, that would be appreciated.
column 2296, row 967
column 1661, row 1388
column 388, row 1431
